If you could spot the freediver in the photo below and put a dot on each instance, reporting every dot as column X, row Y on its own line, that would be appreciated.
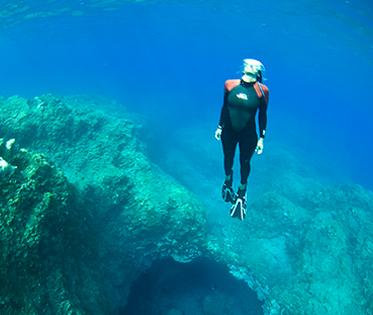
column 243, row 98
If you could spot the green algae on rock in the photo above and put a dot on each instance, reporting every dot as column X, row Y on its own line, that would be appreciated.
column 138, row 213
column 40, row 220
column 101, row 153
column 299, row 233
column 306, row 244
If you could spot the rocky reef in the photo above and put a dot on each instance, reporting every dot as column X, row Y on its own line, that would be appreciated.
column 85, row 211
column 128, row 211
column 41, row 238
column 306, row 244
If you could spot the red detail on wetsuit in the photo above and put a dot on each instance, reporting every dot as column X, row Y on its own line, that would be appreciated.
column 259, row 92
column 231, row 84
column 224, row 114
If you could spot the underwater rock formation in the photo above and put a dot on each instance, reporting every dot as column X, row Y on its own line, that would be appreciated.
column 305, row 248
column 138, row 213
column 306, row 243
column 41, row 239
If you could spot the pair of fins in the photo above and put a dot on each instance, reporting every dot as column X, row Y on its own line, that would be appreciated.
column 238, row 201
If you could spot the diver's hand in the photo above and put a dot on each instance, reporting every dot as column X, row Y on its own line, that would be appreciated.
column 218, row 133
column 260, row 146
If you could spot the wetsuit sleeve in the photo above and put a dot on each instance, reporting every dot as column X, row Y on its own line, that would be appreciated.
column 224, row 115
column 262, row 117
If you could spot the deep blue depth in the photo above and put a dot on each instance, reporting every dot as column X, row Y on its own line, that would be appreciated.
column 170, row 61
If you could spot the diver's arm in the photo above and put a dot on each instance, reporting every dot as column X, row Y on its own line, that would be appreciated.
column 224, row 114
column 222, row 121
column 262, row 118
column 229, row 85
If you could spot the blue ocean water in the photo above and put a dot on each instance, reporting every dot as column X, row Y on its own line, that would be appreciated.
column 169, row 59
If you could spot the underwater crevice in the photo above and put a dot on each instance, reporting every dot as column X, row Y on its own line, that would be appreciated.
column 200, row 287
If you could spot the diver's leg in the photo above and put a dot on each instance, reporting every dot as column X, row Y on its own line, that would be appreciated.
column 247, row 143
column 229, row 141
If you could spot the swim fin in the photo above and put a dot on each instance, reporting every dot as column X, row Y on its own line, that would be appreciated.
column 228, row 193
column 238, row 209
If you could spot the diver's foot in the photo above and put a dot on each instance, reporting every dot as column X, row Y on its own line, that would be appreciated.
column 238, row 210
column 228, row 193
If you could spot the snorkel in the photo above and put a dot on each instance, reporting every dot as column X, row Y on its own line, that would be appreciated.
column 252, row 71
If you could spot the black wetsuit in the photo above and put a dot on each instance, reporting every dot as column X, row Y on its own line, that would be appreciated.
column 237, row 119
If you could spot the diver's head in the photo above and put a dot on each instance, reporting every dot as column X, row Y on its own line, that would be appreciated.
column 252, row 70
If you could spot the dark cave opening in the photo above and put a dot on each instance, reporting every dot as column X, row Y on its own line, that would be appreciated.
column 201, row 287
